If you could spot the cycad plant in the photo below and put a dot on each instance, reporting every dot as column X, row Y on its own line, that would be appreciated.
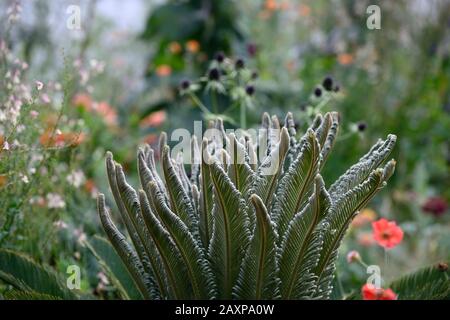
column 233, row 229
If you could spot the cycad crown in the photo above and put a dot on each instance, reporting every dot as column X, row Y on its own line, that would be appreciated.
column 232, row 231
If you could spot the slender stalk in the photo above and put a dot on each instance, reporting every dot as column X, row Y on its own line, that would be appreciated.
column 198, row 103
column 243, row 115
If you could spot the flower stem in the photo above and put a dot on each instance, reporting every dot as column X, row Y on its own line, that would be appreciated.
column 198, row 103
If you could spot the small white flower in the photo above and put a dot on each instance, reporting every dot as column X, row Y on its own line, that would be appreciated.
column 24, row 178
column 55, row 201
column 60, row 225
column 5, row 145
column 39, row 85
column 76, row 178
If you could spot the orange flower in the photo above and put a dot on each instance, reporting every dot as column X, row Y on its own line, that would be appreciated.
column 82, row 100
column 59, row 139
column 51, row 139
column 370, row 292
column 154, row 119
column 90, row 187
column 345, row 58
column 365, row 216
column 193, row 46
column 304, row 10
column 387, row 233
column 74, row 138
column 174, row 47
column 271, row 5
column 107, row 112
column 163, row 70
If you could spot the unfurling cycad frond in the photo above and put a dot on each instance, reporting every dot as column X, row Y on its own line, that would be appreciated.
column 31, row 280
column 240, row 226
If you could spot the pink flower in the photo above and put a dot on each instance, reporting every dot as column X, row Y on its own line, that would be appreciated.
column 45, row 98
column 34, row 114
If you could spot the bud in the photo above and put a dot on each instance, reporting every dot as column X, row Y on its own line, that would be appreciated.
column 353, row 256
column 39, row 85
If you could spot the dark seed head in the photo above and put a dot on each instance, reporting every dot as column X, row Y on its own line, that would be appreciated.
column 336, row 88
column 220, row 56
column 214, row 74
column 362, row 126
column 185, row 84
column 240, row 64
column 250, row 90
column 255, row 75
column 318, row 92
column 328, row 83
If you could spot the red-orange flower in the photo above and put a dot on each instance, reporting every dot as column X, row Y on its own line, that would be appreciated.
column 193, row 46
column 345, row 58
column 387, row 233
column 163, row 70
column 370, row 292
